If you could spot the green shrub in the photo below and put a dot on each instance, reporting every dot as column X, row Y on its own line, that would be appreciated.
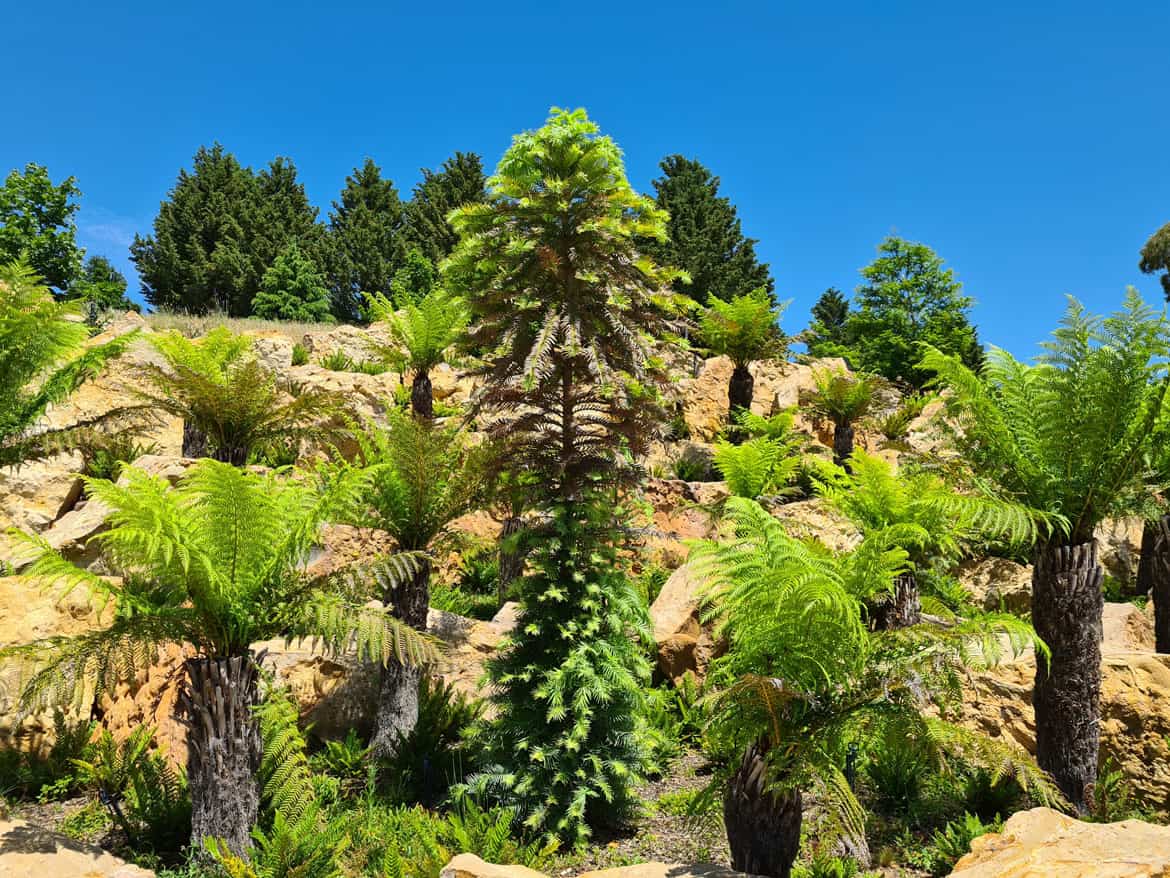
column 989, row 797
column 1111, row 797
column 432, row 757
column 51, row 776
column 454, row 599
column 104, row 453
column 650, row 581
column 825, row 865
column 479, row 570
column 948, row 844
column 300, row 354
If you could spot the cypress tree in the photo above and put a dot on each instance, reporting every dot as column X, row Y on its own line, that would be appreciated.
column 199, row 258
column 459, row 181
column 704, row 235
column 367, row 244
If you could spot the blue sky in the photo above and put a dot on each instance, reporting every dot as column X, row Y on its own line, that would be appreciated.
column 1028, row 144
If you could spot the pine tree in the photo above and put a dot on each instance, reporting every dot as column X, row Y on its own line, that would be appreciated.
column 704, row 236
column 828, row 335
column 283, row 216
column 292, row 289
column 459, row 181
column 366, row 239
column 199, row 258
column 37, row 224
column 908, row 298
column 564, row 312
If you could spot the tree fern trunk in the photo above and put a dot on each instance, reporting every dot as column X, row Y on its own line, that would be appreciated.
column 740, row 390
column 223, row 737
column 901, row 609
column 763, row 828
column 422, row 399
column 511, row 561
column 194, row 441
column 1154, row 577
column 398, row 695
column 1066, row 612
column 842, row 445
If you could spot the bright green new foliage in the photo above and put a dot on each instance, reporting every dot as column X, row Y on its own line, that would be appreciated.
column 38, row 225
column 292, row 289
column 746, row 328
column 42, row 361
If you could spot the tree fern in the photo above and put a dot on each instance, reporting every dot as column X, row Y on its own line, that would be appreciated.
column 42, row 362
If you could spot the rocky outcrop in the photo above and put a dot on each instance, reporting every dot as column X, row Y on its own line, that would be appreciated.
column 777, row 386
column 816, row 519
column 1119, row 542
column 471, row 866
column 27, row 851
column 679, row 511
column 1135, row 686
column 1043, row 843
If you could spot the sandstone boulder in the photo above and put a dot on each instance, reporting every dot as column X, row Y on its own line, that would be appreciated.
column 1042, row 843
column 1135, row 727
column 27, row 851
column 471, row 866
column 679, row 511
column 684, row 644
column 1119, row 545
column 816, row 519
column 996, row 583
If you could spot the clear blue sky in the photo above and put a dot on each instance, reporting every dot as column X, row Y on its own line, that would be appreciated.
column 1028, row 144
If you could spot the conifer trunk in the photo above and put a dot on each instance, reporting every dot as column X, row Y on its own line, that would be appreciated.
column 740, row 390
column 398, row 695
column 1154, row 577
column 842, row 444
column 422, row 399
column 223, row 739
column 1066, row 612
column 901, row 609
column 763, row 828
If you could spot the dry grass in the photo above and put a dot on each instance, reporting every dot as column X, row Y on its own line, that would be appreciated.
column 196, row 325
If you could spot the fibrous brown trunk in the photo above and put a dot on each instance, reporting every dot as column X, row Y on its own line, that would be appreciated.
column 422, row 400
column 740, row 390
column 194, row 441
column 842, row 444
column 223, row 740
column 1066, row 613
column 763, row 827
column 1154, row 577
column 511, row 559
column 901, row 609
column 398, row 697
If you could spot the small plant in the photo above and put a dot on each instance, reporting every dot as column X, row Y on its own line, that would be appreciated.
column 479, row 570
column 897, row 773
column 650, row 581
column 300, row 354
column 370, row 367
column 336, row 361
column 949, row 844
column 1111, row 797
column 105, row 453
column 759, row 467
column 692, row 464
column 825, row 865
column 344, row 760
column 987, row 796
column 685, row 803
column 895, row 426
column 53, row 775
column 432, row 758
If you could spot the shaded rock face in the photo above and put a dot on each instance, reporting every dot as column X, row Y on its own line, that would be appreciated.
column 30, row 852
column 1135, row 686
column 1042, row 843
column 679, row 511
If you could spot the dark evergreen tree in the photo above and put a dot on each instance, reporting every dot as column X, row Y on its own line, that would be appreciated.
column 367, row 243
column 102, row 286
column 827, row 335
column 199, row 257
column 284, row 216
column 459, row 181
column 37, row 225
column 704, row 235
column 908, row 298
column 293, row 289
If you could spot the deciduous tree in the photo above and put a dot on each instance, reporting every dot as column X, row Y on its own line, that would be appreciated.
column 38, row 223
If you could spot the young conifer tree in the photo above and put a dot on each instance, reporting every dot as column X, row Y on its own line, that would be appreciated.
column 565, row 310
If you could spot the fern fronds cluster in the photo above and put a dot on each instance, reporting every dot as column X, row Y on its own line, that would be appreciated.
column 1070, row 433
column 420, row 332
column 745, row 329
column 216, row 385
column 42, row 361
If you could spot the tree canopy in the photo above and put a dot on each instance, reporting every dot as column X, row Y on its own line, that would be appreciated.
column 38, row 224
column 704, row 235
column 292, row 289
column 1156, row 257
column 459, row 181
